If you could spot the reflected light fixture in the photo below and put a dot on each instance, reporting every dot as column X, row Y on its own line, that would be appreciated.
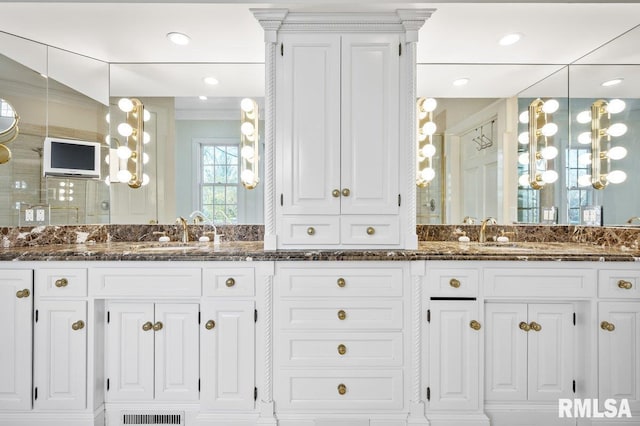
column 210, row 80
column 602, row 130
column 509, row 39
column 461, row 81
column 612, row 82
column 178, row 38
column 424, row 141
column 249, row 143
column 127, row 159
column 540, row 134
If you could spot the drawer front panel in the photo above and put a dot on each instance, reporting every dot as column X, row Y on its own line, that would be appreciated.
column 228, row 282
column 539, row 282
column 619, row 284
column 341, row 350
column 340, row 281
column 177, row 282
column 311, row 230
column 452, row 282
column 370, row 229
column 61, row 282
column 356, row 315
column 371, row 390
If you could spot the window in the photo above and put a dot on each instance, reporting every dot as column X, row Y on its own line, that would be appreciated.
column 577, row 196
column 219, row 182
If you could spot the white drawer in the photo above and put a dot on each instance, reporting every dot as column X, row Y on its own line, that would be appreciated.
column 146, row 282
column 341, row 350
column 363, row 389
column 311, row 230
column 543, row 281
column 65, row 282
column 619, row 283
column 228, row 282
column 370, row 279
column 326, row 315
column 370, row 229
column 452, row 282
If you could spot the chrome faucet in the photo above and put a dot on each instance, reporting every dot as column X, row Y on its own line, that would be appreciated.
column 185, row 229
column 198, row 217
column 483, row 236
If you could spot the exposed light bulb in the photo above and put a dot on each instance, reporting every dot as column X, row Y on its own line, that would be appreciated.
column 247, row 152
column 428, row 150
column 428, row 174
column 125, row 129
column 247, row 105
column 549, row 152
column 584, row 138
column 615, row 106
column 549, row 129
column 247, row 176
column 146, row 115
column 617, row 129
column 429, row 104
column 523, row 158
column 247, row 128
column 107, row 181
column 124, row 152
column 107, row 118
column 125, row 104
column 124, row 175
column 584, row 180
column 549, row 176
column 616, row 176
column 106, row 159
column 107, row 139
column 584, row 159
column 429, row 128
column 524, row 117
column 550, row 106
column 583, row 117
column 523, row 138
column 145, row 179
column 523, row 180
column 146, row 138
column 145, row 158
column 617, row 153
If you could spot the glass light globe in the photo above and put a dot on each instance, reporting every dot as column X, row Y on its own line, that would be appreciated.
column 107, row 181
column 584, row 117
column 549, row 176
column 125, row 129
column 523, row 158
column 523, row 180
column 108, row 118
column 584, row 159
column 145, row 158
column 124, row 152
column 146, row 138
column 616, row 176
column 549, row 129
column 523, row 138
column 247, row 176
column 524, row 117
column 106, row 159
column 428, row 150
column 125, row 104
column 617, row 129
column 247, row 129
column 246, row 105
column 615, row 106
column 70, row 198
column 247, row 152
column 550, row 106
column 146, row 115
column 428, row 174
column 617, row 153
column 124, row 175
column 584, row 138
column 584, row 180
column 429, row 128
column 145, row 179
column 429, row 104
column 107, row 139
column 549, row 152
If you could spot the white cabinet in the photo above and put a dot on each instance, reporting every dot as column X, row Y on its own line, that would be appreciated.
column 529, row 351
column 338, row 135
column 60, row 378
column 152, row 351
column 16, row 307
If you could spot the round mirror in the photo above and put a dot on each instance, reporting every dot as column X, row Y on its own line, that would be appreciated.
column 8, row 129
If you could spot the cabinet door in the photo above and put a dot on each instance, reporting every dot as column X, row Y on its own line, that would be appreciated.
column 619, row 353
column 309, row 101
column 454, row 356
column 176, row 351
column 227, row 341
column 130, row 352
column 15, row 339
column 550, row 366
column 506, row 352
column 61, row 355
column 370, row 117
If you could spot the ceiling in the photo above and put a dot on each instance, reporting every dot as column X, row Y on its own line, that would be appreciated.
column 459, row 40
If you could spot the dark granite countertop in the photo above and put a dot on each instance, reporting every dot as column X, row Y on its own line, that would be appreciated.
column 253, row 251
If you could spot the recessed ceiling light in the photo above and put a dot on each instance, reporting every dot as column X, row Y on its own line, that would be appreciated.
column 178, row 38
column 461, row 81
column 211, row 80
column 202, row 98
column 510, row 39
column 612, row 82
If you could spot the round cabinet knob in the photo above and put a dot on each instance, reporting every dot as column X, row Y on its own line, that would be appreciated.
column 346, row 192
column 342, row 389
column 475, row 325
column 524, row 326
column 607, row 326
column 210, row 325
column 535, row 326
column 230, row 282
column 78, row 325
column 342, row 349
column 311, row 230
column 147, row 326
column 23, row 293
column 626, row 285
column 335, row 193
column 157, row 326
column 62, row 282
column 341, row 282
column 371, row 230
column 342, row 315
column 454, row 283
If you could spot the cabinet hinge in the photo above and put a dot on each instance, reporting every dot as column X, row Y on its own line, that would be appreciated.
column 574, row 318
column 574, row 386
column 428, row 394
column 400, row 49
column 281, row 49
column 255, row 394
column 108, row 317
column 36, row 315
column 282, row 199
column 255, row 315
column 108, row 384
column 428, row 315
column 399, row 200
column 35, row 393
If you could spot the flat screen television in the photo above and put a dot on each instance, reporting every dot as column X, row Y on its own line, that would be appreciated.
column 67, row 157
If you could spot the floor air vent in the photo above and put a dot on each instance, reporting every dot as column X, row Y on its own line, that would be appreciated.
column 153, row 418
